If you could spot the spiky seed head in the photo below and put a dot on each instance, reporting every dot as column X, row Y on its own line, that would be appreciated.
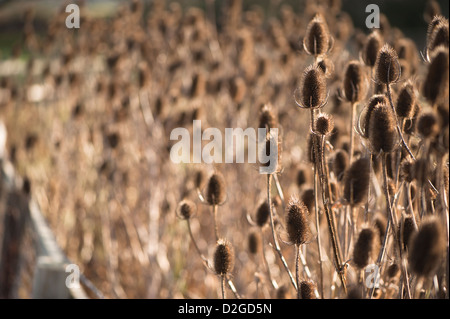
column 297, row 223
column 438, row 36
column 427, row 125
column 387, row 67
column 372, row 45
column 216, row 191
column 253, row 242
column 356, row 181
column 382, row 129
column 427, row 247
column 366, row 248
column 186, row 209
column 340, row 163
column 223, row 257
column 313, row 89
column 379, row 224
column 373, row 101
column 282, row 292
column 327, row 66
column 407, row 171
column 308, row 199
column 405, row 101
column 393, row 270
column 354, row 82
column 302, row 177
column 324, row 124
column 409, row 230
column 307, row 288
column 435, row 88
column 262, row 214
column 317, row 40
column 267, row 118
column 432, row 9
column 199, row 179
column 354, row 293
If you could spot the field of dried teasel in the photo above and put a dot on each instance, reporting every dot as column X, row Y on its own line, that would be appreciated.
column 361, row 186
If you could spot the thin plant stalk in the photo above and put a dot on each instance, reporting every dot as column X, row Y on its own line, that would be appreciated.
column 297, row 269
column 272, row 226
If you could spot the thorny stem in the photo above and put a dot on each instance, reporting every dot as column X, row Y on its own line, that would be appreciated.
column 394, row 221
column 216, row 226
column 222, row 285
column 275, row 241
column 319, row 163
column 297, row 269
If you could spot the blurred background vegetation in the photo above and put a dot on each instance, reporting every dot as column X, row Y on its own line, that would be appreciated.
column 410, row 21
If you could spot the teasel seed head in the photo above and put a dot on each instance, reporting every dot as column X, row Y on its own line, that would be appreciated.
column 409, row 230
column 254, row 242
column 327, row 66
column 379, row 224
column 435, row 88
column 407, row 171
column 297, row 223
column 199, row 179
column 324, row 124
column 223, row 257
column 427, row 125
column 438, row 36
column 387, row 67
column 382, row 129
column 372, row 45
column 340, row 164
column 355, row 82
column 267, row 118
column 307, row 288
column 282, row 292
column 308, row 199
column 356, row 181
column 186, row 209
column 372, row 103
column 302, row 177
column 366, row 248
column 405, row 101
column 262, row 214
column 354, row 293
column 432, row 9
column 393, row 270
column 216, row 191
column 313, row 89
column 317, row 40
column 427, row 247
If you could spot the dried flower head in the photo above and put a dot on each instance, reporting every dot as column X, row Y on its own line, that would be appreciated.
column 427, row 125
column 372, row 45
column 317, row 40
column 297, row 223
column 405, row 101
column 324, row 124
column 186, row 209
column 262, row 214
column 253, row 242
column 313, row 89
column 435, row 87
column 427, row 247
column 354, row 82
column 340, row 163
column 366, row 248
column 216, row 192
column 356, row 181
column 307, row 288
column 223, row 257
column 373, row 102
column 382, row 129
column 387, row 67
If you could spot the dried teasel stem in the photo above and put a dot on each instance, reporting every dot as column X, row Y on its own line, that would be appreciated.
column 319, row 169
column 274, row 236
